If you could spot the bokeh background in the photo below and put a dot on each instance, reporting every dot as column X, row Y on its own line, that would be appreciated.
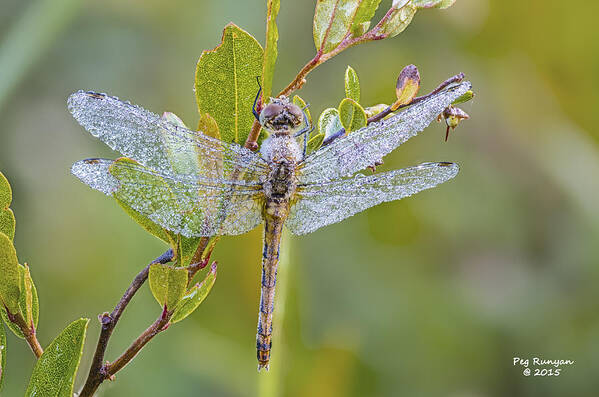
column 430, row 296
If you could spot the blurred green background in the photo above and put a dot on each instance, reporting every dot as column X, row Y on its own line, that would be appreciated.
column 430, row 296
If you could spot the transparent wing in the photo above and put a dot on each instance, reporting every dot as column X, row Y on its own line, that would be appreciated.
column 362, row 148
column 190, row 206
column 154, row 142
column 322, row 204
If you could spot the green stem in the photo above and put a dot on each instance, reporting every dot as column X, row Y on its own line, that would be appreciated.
column 269, row 382
column 28, row 331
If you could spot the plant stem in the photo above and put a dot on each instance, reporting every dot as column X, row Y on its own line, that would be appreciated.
column 28, row 331
column 300, row 79
column 97, row 375
column 161, row 324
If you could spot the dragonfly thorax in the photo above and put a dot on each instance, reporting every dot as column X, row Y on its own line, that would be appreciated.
column 281, row 182
column 281, row 117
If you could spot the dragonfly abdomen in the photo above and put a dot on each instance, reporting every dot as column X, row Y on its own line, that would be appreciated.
column 275, row 213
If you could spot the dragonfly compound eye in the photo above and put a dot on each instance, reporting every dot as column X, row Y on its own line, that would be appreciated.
column 271, row 111
column 295, row 114
column 281, row 116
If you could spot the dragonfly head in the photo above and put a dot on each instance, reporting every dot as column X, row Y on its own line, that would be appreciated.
column 281, row 117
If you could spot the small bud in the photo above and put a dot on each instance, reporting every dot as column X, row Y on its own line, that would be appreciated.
column 453, row 117
column 408, row 84
column 105, row 318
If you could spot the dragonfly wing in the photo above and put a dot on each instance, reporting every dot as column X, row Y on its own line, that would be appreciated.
column 322, row 204
column 363, row 148
column 158, row 144
column 190, row 206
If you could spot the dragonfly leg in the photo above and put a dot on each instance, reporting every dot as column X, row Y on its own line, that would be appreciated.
column 254, row 110
column 306, row 130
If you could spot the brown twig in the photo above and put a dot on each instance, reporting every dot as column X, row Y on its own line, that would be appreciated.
column 97, row 373
column 28, row 331
column 161, row 324
column 379, row 116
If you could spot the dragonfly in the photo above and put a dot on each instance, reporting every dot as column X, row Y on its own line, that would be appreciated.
column 195, row 185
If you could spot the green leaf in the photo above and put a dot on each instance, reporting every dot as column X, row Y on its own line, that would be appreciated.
column 270, row 49
column 297, row 100
column 351, row 115
column 361, row 29
column 7, row 218
column 2, row 354
column 10, row 281
column 433, row 3
column 28, row 303
column 207, row 125
column 352, row 84
column 5, row 192
column 147, row 224
column 7, row 223
column 54, row 373
column 167, row 284
column 372, row 111
column 333, row 20
column 194, row 296
column 315, row 143
column 400, row 17
column 364, row 14
column 187, row 249
column 225, row 83
column 328, row 122
column 183, row 157
column 468, row 95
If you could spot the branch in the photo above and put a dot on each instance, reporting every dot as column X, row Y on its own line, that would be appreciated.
column 379, row 116
column 161, row 324
column 109, row 320
column 28, row 331
column 300, row 79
